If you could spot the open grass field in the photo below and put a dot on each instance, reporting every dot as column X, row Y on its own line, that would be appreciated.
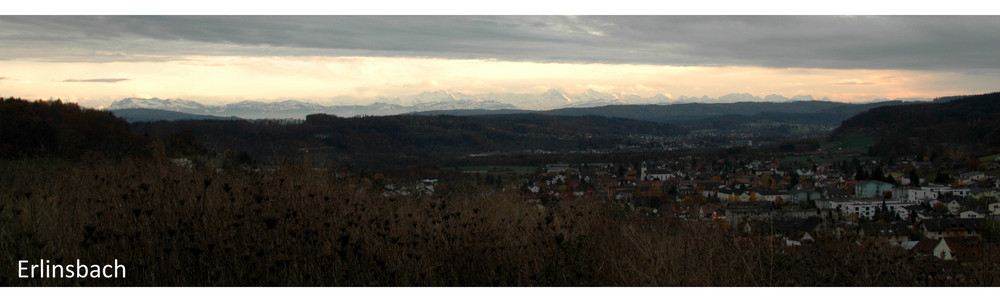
column 852, row 142
column 816, row 159
column 520, row 170
column 989, row 157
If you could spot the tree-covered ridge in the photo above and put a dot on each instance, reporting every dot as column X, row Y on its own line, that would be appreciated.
column 411, row 135
column 676, row 113
column 54, row 128
column 151, row 115
column 971, row 123
column 510, row 123
column 702, row 116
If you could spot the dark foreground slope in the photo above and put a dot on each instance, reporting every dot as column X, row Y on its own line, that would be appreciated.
column 969, row 125
column 296, row 226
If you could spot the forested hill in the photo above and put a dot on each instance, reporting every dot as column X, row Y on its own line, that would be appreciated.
column 53, row 128
column 829, row 116
column 151, row 115
column 329, row 137
column 491, row 126
column 698, row 114
column 677, row 112
column 970, row 123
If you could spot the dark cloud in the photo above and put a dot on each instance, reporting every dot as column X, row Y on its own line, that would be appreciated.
column 95, row 80
column 952, row 43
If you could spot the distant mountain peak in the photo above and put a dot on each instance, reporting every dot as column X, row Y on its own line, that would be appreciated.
column 774, row 98
column 162, row 104
column 803, row 97
column 739, row 97
column 555, row 92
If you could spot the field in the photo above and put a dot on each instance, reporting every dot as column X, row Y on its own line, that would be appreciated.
column 816, row 159
column 852, row 142
column 989, row 158
column 520, row 170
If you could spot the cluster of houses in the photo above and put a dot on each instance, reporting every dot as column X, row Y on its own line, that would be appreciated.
column 943, row 220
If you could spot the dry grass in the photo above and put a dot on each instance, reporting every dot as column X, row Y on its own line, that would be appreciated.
column 295, row 226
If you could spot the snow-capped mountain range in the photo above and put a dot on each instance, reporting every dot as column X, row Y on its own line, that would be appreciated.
column 435, row 101
column 299, row 109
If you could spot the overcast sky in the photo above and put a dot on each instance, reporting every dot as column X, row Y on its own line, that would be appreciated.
column 228, row 58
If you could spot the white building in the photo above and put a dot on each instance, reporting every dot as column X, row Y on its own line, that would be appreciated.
column 971, row 214
column 920, row 195
column 868, row 208
column 658, row 174
column 927, row 193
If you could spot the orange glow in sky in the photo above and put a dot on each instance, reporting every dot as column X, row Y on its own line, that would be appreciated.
column 222, row 79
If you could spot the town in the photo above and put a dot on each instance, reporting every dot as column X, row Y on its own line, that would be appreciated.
column 907, row 202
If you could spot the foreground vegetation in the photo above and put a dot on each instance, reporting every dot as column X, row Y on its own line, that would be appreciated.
column 176, row 226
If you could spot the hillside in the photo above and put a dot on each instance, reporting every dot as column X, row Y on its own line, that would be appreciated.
column 408, row 138
column 827, row 116
column 709, row 116
column 151, row 115
column 695, row 111
column 297, row 226
column 967, row 125
column 53, row 128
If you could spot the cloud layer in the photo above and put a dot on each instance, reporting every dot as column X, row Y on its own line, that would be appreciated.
column 942, row 43
column 350, row 58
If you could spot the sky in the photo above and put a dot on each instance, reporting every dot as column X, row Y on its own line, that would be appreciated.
column 214, row 59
